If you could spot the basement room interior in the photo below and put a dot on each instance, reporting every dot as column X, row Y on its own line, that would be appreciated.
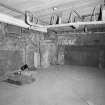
column 52, row 52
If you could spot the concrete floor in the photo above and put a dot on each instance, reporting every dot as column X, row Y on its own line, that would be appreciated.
column 58, row 85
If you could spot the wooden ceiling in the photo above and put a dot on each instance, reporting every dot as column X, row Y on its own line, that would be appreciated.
column 43, row 9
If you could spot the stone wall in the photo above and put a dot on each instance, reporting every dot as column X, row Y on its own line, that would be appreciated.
column 17, row 47
column 86, row 49
column 82, row 39
column 11, row 54
column 48, row 50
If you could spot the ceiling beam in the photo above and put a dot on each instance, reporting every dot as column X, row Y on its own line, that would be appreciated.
column 17, row 22
column 11, row 20
column 76, row 24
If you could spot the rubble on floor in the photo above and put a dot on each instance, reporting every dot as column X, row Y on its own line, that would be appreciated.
column 20, row 77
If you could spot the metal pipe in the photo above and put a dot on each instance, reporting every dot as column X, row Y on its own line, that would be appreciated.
column 11, row 20
column 76, row 24
column 17, row 22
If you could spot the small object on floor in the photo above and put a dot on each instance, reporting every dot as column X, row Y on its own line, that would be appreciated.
column 20, row 80
column 32, row 68
column 24, row 67
column 24, row 77
column 13, row 82
column 21, row 76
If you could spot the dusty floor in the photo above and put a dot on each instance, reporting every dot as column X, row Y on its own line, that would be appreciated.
column 58, row 85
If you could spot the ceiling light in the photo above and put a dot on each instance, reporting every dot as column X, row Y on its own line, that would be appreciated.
column 54, row 8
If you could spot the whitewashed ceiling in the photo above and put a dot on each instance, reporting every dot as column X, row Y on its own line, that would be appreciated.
column 44, row 8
